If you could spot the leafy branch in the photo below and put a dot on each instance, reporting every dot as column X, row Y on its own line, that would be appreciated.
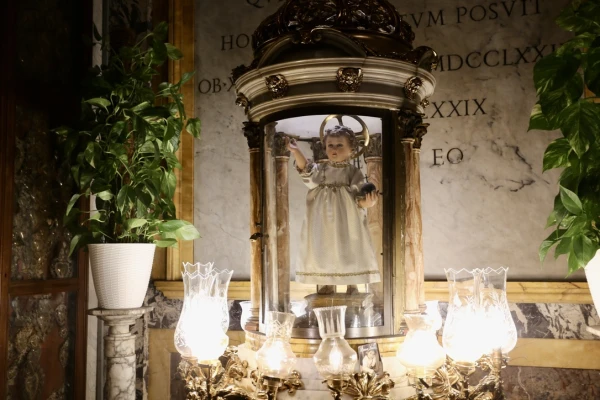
column 123, row 149
column 563, row 103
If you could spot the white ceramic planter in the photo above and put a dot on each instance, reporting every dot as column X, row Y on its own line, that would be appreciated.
column 121, row 272
column 592, row 274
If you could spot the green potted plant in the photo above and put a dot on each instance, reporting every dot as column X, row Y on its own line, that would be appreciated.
column 122, row 155
column 565, row 82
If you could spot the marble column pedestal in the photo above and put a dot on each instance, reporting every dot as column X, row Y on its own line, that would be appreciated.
column 119, row 351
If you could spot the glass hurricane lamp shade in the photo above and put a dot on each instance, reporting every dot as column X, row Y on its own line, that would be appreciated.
column 463, row 336
column 199, row 333
column 219, row 292
column 433, row 311
column 500, row 330
column 275, row 358
column 334, row 359
column 421, row 353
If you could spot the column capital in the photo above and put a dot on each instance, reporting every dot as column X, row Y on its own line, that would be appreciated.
column 318, row 150
column 411, row 126
column 374, row 148
column 280, row 149
column 252, row 132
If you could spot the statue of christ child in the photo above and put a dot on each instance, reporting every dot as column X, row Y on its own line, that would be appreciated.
column 335, row 245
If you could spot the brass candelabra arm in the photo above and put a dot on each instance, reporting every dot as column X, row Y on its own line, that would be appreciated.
column 213, row 381
column 420, row 386
column 293, row 382
column 451, row 380
column 336, row 387
column 490, row 386
column 267, row 387
column 201, row 381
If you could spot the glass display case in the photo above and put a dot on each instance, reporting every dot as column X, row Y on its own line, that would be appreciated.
column 334, row 99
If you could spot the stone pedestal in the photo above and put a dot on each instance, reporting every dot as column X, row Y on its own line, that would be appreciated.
column 119, row 351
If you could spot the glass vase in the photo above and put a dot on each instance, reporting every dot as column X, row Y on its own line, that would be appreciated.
column 463, row 337
column 500, row 330
column 275, row 358
column 199, row 332
column 334, row 359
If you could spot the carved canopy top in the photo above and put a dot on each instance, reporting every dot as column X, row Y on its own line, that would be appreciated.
column 364, row 20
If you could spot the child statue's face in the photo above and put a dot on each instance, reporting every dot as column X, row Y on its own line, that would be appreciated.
column 338, row 148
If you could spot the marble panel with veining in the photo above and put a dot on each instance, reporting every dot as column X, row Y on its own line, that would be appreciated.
column 549, row 320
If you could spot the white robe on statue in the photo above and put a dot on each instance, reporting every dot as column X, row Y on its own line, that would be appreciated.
column 335, row 245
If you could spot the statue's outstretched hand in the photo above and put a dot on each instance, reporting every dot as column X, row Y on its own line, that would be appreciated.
column 291, row 144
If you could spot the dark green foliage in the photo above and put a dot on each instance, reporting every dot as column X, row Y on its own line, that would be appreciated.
column 123, row 150
column 560, row 79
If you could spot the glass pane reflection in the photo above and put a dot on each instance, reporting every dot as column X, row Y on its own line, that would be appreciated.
column 333, row 184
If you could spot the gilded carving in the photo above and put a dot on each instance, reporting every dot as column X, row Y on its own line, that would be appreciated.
column 242, row 101
column 367, row 385
column 411, row 126
column 307, row 37
column 277, row 85
column 422, row 57
column 366, row 16
column 412, row 86
column 424, row 103
column 252, row 132
column 241, row 70
column 374, row 148
column 349, row 79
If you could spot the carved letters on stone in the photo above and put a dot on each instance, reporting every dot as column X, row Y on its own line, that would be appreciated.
column 252, row 132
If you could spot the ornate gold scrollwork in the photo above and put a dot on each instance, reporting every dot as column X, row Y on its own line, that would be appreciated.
column 349, row 79
column 424, row 103
column 362, row 386
column 277, row 85
column 412, row 86
column 215, row 382
column 451, row 381
column 242, row 101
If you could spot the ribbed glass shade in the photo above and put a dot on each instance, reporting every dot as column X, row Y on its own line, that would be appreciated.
column 276, row 358
column 463, row 336
column 499, row 326
column 334, row 359
column 199, row 333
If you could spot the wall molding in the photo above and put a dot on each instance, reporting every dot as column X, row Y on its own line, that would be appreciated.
column 518, row 292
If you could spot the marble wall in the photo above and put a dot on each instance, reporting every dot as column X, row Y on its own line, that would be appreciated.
column 485, row 199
